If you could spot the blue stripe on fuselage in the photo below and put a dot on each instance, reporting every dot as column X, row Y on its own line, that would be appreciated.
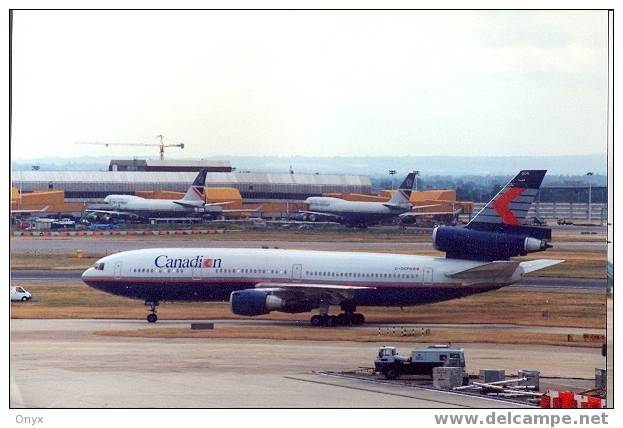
column 189, row 290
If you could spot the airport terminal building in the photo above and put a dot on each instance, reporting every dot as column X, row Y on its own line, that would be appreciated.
column 93, row 186
column 160, row 165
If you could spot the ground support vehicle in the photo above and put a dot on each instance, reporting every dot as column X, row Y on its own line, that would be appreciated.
column 420, row 362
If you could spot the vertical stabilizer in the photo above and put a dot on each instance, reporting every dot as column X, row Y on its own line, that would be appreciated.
column 510, row 206
column 403, row 194
column 195, row 192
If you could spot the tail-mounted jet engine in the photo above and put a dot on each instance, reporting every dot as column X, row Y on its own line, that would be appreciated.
column 464, row 243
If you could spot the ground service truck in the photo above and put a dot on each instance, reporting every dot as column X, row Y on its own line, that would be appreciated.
column 421, row 362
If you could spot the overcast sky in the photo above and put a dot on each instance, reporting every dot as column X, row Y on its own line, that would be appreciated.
column 310, row 83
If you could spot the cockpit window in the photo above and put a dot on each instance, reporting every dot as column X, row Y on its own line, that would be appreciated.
column 98, row 266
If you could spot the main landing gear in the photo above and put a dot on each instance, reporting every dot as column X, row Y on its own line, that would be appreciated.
column 152, row 317
column 349, row 317
column 337, row 320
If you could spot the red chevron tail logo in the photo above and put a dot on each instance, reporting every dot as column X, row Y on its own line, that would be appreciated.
column 501, row 205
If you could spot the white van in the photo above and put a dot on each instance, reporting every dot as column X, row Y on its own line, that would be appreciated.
column 20, row 294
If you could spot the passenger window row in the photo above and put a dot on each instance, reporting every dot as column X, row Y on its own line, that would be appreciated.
column 362, row 275
column 152, row 270
column 285, row 272
column 256, row 271
column 219, row 270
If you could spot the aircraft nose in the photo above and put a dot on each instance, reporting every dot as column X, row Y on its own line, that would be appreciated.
column 86, row 275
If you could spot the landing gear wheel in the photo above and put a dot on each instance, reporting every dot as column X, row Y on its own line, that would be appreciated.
column 391, row 373
column 316, row 321
column 331, row 321
column 152, row 304
column 342, row 319
column 358, row 319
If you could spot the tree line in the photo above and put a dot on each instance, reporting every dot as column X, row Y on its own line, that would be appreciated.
column 483, row 188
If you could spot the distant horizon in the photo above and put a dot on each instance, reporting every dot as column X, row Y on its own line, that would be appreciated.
column 155, row 157
column 429, row 165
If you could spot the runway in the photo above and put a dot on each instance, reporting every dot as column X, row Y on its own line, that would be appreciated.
column 107, row 245
column 62, row 363
column 53, row 276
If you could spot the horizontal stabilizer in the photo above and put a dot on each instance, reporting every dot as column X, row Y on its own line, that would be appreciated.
column 430, row 213
column 534, row 265
column 417, row 207
column 390, row 205
column 490, row 271
column 211, row 204
column 189, row 204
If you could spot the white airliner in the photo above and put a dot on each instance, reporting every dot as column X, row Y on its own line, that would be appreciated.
column 365, row 213
column 258, row 281
column 192, row 204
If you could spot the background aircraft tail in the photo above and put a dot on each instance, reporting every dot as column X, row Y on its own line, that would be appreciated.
column 403, row 194
column 497, row 232
column 195, row 192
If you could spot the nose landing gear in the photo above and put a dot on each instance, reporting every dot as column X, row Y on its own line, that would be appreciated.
column 152, row 317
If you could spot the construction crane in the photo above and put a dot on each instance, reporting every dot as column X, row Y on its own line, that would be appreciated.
column 161, row 145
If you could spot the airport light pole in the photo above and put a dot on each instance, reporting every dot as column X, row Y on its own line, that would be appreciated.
column 392, row 172
column 417, row 173
column 590, row 188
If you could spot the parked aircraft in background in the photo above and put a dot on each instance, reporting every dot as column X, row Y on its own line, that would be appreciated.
column 258, row 281
column 362, row 213
column 134, row 207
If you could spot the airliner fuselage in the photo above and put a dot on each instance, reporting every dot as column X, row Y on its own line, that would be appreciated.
column 213, row 274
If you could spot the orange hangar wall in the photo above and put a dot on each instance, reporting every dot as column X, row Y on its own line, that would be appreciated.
column 39, row 199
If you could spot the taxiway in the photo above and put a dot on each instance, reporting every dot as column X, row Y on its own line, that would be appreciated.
column 62, row 363
column 105, row 245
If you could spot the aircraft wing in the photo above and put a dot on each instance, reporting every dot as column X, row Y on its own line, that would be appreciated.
column 42, row 210
column 308, row 285
column 243, row 210
column 335, row 293
column 111, row 212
